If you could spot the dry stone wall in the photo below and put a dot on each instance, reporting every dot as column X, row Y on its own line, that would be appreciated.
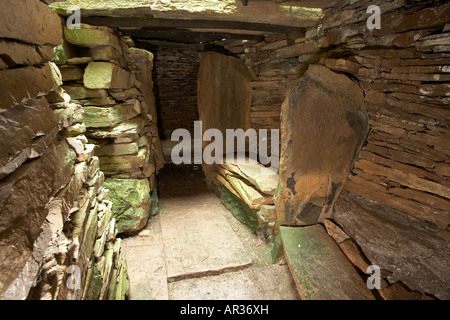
column 112, row 81
column 57, row 232
column 175, row 75
column 403, row 165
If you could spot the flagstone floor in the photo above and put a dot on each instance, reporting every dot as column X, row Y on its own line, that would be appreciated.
column 195, row 249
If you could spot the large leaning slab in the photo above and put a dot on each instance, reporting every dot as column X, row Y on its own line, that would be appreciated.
column 224, row 97
column 319, row 268
column 323, row 125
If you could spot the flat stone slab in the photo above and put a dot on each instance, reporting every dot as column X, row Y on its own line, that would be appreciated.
column 265, row 283
column 320, row 269
column 265, row 179
column 144, row 254
column 197, row 238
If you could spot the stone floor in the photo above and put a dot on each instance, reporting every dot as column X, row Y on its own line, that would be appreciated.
column 195, row 249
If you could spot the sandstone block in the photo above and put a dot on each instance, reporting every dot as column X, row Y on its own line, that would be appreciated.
column 90, row 36
column 105, row 75
column 21, row 221
column 71, row 73
column 78, row 92
column 16, row 53
column 128, row 129
column 114, row 164
column 33, row 21
column 63, row 53
column 25, row 132
column 118, row 149
column 21, row 84
column 320, row 269
column 131, row 199
column 97, row 117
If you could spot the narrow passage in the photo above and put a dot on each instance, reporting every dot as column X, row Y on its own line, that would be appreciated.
column 195, row 249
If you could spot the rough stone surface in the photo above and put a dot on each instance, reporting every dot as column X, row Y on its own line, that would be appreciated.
column 142, row 61
column 25, row 132
column 131, row 199
column 13, row 54
column 265, row 179
column 415, row 253
column 335, row 231
column 33, row 21
column 99, row 117
column 90, row 36
column 239, row 209
column 126, row 130
column 324, row 123
column 21, row 84
column 105, row 75
column 21, row 221
column 260, row 12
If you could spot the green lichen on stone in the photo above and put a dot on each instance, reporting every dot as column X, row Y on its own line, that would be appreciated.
column 277, row 248
column 111, row 295
column 95, row 285
column 60, row 55
column 131, row 199
column 239, row 209
column 102, row 117
column 89, row 37
column 123, row 283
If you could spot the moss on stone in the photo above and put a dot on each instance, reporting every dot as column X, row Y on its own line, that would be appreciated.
column 131, row 199
column 239, row 209
column 95, row 285
column 89, row 37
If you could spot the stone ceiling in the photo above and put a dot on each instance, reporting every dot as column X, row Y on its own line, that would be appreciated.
column 218, row 14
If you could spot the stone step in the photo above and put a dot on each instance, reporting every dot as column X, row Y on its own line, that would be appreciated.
column 319, row 268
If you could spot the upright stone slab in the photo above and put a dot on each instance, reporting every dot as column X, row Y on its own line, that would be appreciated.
column 323, row 126
column 224, row 96
column 319, row 268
